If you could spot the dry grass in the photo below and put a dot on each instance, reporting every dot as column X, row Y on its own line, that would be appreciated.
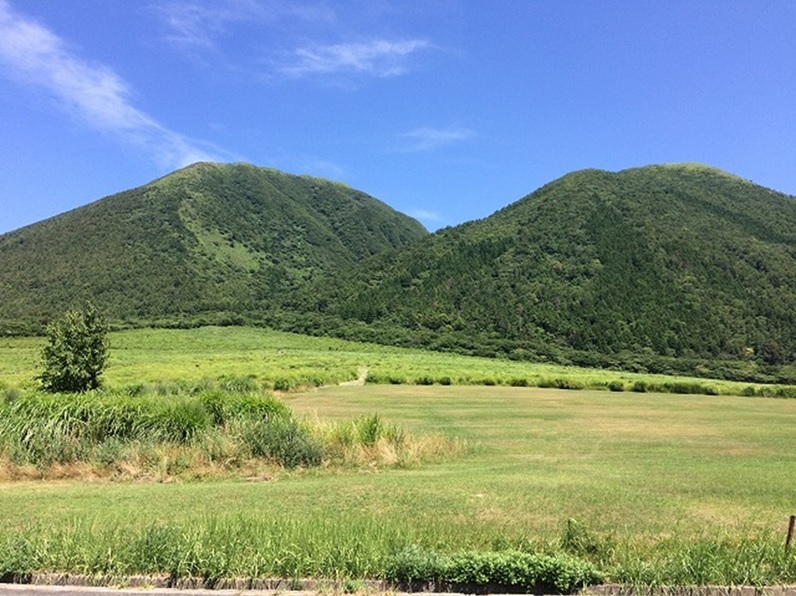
column 153, row 464
column 370, row 442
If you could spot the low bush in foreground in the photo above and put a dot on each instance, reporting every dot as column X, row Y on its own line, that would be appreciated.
column 508, row 569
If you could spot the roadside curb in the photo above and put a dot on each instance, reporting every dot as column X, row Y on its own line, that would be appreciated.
column 165, row 584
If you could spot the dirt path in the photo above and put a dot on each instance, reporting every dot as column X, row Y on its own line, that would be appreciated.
column 360, row 380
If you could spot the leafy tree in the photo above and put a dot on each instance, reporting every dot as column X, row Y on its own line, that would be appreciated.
column 76, row 352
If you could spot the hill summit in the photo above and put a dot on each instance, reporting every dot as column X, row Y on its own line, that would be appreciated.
column 670, row 263
column 680, row 261
column 212, row 240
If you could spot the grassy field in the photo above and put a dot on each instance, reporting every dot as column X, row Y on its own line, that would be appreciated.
column 648, row 487
column 266, row 357
column 637, row 465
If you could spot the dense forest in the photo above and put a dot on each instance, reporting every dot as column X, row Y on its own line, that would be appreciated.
column 663, row 267
column 207, row 243
column 677, row 268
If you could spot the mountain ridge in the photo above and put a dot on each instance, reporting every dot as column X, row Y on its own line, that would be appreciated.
column 208, row 238
column 671, row 261
column 631, row 268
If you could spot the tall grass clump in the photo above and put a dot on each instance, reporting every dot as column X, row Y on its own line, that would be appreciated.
column 210, row 548
column 202, row 433
column 561, row 383
column 369, row 440
column 43, row 430
column 282, row 439
column 736, row 561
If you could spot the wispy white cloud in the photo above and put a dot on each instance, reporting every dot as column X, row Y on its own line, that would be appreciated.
column 427, row 139
column 93, row 92
column 198, row 25
column 191, row 24
column 378, row 57
column 199, row 28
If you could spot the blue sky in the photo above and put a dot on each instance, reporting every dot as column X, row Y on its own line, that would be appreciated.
column 447, row 110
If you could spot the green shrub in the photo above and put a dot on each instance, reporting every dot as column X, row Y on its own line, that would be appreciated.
column 283, row 384
column 76, row 352
column 685, row 388
column 560, row 383
column 381, row 379
column 616, row 386
column 375, row 378
column 415, row 564
column 509, row 569
column 639, row 387
column 518, row 382
column 424, row 381
column 787, row 392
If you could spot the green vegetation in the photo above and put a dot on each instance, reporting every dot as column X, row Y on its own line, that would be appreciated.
column 76, row 352
column 208, row 243
column 445, row 483
column 675, row 269
column 666, row 489
column 201, row 432
column 449, row 466
column 135, row 435
column 244, row 359
column 512, row 569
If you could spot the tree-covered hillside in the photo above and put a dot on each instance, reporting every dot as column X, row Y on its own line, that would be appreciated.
column 213, row 240
column 676, row 267
column 680, row 261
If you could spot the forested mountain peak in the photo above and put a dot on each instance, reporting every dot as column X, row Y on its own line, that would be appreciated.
column 207, row 239
column 679, row 260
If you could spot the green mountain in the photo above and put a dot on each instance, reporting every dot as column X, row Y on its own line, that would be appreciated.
column 213, row 241
column 664, row 268
column 630, row 268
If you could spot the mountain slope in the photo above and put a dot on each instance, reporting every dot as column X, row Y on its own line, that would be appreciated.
column 210, row 238
column 674, row 261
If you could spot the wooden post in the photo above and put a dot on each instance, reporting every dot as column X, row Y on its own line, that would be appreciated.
column 791, row 526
